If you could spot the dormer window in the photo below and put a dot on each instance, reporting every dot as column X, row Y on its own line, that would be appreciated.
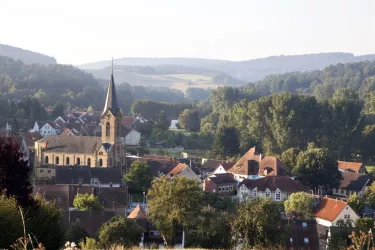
column 268, row 193
column 278, row 195
column 306, row 240
column 304, row 224
column 254, row 192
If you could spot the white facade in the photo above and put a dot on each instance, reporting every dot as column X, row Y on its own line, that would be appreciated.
column 347, row 213
column 244, row 194
column 132, row 138
column 219, row 170
column 35, row 128
column 189, row 173
column 174, row 124
column 47, row 130
column 24, row 150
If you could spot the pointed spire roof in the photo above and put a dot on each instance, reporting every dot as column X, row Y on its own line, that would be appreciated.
column 111, row 100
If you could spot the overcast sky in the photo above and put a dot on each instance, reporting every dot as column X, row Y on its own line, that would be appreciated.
column 83, row 31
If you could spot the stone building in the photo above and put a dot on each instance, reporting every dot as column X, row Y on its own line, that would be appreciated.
column 105, row 151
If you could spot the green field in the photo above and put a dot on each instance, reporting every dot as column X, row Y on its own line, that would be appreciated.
column 370, row 166
column 180, row 131
column 187, row 77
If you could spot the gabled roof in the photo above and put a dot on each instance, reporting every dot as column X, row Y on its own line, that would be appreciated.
column 211, row 164
column 248, row 164
column 328, row 209
column 71, row 144
column 227, row 165
column 67, row 132
column 127, row 121
column 71, row 174
column 349, row 166
column 178, row 169
column 222, row 178
column 354, row 181
column 138, row 213
column 273, row 166
column 111, row 99
column 283, row 183
column 31, row 138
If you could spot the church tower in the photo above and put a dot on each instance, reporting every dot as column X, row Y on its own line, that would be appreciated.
column 111, row 117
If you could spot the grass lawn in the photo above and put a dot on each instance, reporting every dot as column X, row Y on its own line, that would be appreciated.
column 181, row 131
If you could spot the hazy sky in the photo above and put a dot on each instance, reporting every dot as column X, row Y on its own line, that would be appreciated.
column 82, row 31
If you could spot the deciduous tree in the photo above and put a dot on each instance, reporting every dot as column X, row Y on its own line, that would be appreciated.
column 300, row 204
column 139, row 176
column 86, row 202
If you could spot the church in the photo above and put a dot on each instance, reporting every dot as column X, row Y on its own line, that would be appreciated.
column 96, row 152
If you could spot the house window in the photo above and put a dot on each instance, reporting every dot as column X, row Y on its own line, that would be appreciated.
column 347, row 216
column 67, row 161
column 219, row 189
column 291, row 240
column 287, row 196
column 89, row 162
column 94, row 181
column 100, row 162
column 306, row 240
column 59, row 200
column 46, row 159
column 107, row 129
column 254, row 193
column 268, row 193
column 57, row 161
column 214, row 190
column 278, row 195
column 304, row 224
column 347, row 208
column 78, row 161
column 49, row 171
column 41, row 171
column 80, row 180
column 231, row 188
column 226, row 188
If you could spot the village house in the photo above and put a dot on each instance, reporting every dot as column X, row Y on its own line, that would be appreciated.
column 329, row 211
column 183, row 170
column 174, row 124
column 222, row 184
column 352, row 183
column 35, row 128
column 301, row 234
column 279, row 188
column 69, row 132
column 209, row 166
column 354, row 167
column 132, row 138
column 104, row 151
column 128, row 122
column 49, row 129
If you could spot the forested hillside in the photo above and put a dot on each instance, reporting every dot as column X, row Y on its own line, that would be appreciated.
column 25, row 56
column 250, row 70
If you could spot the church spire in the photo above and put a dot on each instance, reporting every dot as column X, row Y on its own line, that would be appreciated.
column 111, row 100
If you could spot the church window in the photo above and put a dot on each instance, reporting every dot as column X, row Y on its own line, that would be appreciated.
column 100, row 162
column 67, row 161
column 89, row 162
column 46, row 159
column 57, row 161
column 78, row 161
column 100, row 153
column 107, row 129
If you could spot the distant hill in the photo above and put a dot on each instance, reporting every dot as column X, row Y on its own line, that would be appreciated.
column 251, row 70
column 26, row 56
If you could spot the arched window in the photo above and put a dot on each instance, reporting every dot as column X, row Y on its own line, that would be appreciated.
column 46, row 159
column 278, row 195
column 57, row 160
column 254, row 192
column 78, row 161
column 268, row 193
column 107, row 129
column 89, row 162
column 67, row 161
column 101, row 163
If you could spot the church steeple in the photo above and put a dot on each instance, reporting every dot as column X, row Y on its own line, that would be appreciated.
column 111, row 117
column 111, row 100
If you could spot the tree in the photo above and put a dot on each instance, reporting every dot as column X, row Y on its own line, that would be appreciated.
column 357, row 203
column 119, row 231
column 368, row 137
column 289, row 158
column 75, row 233
column 162, row 123
column 174, row 205
column 86, row 202
column 317, row 168
column 225, row 143
column 139, row 176
column 300, row 204
column 189, row 120
column 11, row 222
column 58, row 110
column 14, row 171
column 90, row 109
column 258, row 224
column 212, row 231
column 44, row 221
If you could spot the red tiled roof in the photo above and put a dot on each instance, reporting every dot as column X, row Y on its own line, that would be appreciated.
column 350, row 166
column 178, row 169
column 222, row 178
column 273, row 166
column 127, row 121
column 243, row 167
column 328, row 209
column 227, row 165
